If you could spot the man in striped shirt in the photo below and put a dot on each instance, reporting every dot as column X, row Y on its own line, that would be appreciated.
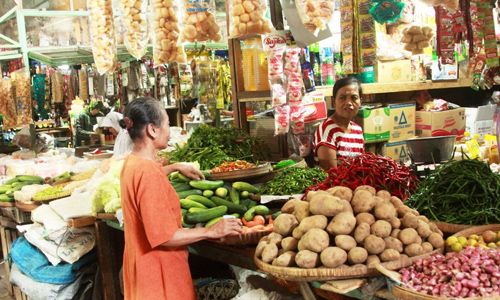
column 338, row 136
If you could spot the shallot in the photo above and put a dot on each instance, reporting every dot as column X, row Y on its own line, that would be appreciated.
column 473, row 272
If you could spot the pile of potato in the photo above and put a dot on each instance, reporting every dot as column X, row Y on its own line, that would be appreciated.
column 247, row 17
column 339, row 228
column 136, row 37
column 167, row 48
column 103, row 35
column 199, row 24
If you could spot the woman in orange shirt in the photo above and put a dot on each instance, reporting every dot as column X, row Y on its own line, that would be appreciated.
column 155, row 262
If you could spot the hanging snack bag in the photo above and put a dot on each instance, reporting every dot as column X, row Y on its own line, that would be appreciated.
column 167, row 47
column 22, row 86
column 247, row 17
column 136, row 28
column 314, row 14
column 103, row 35
column 199, row 22
column 282, row 119
column 7, row 104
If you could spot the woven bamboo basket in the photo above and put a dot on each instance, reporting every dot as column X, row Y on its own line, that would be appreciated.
column 246, row 239
column 449, row 229
column 477, row 230
column 258, row 171
column 322, row 274
column 26, row 207
column 402, row 293
column 7, row 204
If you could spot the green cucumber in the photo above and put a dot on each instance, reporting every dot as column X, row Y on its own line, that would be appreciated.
column 203, row 200
column 30, row 178
column 221, row 192
column 183, row 211
column 182, row 188
column 248, row 203
column 173, row 176
column 206, row 173
column 184, row 224
column 6, row 198
column 208, row 193
column 231, row 207
column 235, row 196
column 206, row 215
column 187, row 204
column 206, row 184
column 276, row 214
column 183, row 178
column 184, row 194
column 256, row 210
column 11, row 181
column 195, row 209
column 213, row 221
column 244, row 194
column 4, row 188
column 237, row 216
column 243, row 186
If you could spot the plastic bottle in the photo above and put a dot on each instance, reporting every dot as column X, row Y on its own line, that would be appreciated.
column 316, row 63
column 327, row 71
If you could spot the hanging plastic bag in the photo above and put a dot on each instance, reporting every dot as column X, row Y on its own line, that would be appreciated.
column 7, row 104
column 248, row 18
column 103, row 35
column 282, row 120
column 22, row 86
column 167, row 47
column 314, row 14
column 136, row 28
column 199, row 21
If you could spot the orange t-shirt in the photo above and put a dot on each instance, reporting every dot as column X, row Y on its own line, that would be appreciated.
column 152, row 214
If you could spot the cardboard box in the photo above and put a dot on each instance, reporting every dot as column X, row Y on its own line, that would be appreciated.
column 397, row 151
column 441, row 123
column 393, row 71
column 376, row 123
column 402, row 121
column 479, row 120
column 315, row 111
column 444, row 72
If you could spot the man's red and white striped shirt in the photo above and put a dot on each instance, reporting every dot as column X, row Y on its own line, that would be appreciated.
column 331, row 135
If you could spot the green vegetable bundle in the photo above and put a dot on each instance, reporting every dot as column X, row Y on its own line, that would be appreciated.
column 460, row 192
column 212, row 146
column 293, row 180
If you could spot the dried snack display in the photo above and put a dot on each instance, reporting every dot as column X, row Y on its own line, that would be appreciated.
column 7, row 103
column 314, row 14
column 136, row 28
column 167, row 47
column 247, row 17
column 103, row 35
column 417, row 38
column 22, row 87
column 199, row 22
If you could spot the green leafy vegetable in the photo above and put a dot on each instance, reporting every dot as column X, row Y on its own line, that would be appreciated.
column 293, row 180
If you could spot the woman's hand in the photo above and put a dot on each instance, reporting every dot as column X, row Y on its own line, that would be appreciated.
column 224, row 227
column 189, row 171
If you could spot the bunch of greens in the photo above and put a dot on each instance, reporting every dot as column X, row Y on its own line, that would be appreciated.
column 293, row 180
column 211, row 146
column 460, row 192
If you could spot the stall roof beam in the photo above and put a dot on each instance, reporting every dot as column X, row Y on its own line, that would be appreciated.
column 8, row 15
column 53, row 13
column 11, row 56
column 9, row 40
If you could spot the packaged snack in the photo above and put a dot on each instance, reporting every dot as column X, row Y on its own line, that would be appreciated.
column 247, row 17
column 136, row 28
column 417, row 38
column 199, row 21
column 278, row 94
column 282, row 119
column 7, row 104
column 274, row 46
column 167, row 47
column 103, row 35
column 314, row 14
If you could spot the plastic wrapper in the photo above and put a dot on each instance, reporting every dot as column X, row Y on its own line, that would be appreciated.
column 314, row 14
column 346, row 22
column 274, row 46
column 278, row 94
column 199, row 21
column 247, row 17
column 103, row 35
column 22, row 86
column 294, row 81
column 83, row 84
column 167, row 47
column 7, row 104
column 417, row 38
column 297, row 116
column 282, row 120
column 136, row 28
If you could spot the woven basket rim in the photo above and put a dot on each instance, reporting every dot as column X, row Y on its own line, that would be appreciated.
column 245, row 239
column 407, row 294
column 451, row 228
column 300, row 274
column 478, row 229
column 259, row 170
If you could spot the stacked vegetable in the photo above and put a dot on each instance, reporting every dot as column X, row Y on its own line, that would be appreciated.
column 206, row 202
column 15, row 184
column 370, row 169
column 460, row 192
column 211, row 147
column 293, row 180
column 339, row 227
column 474, row 272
